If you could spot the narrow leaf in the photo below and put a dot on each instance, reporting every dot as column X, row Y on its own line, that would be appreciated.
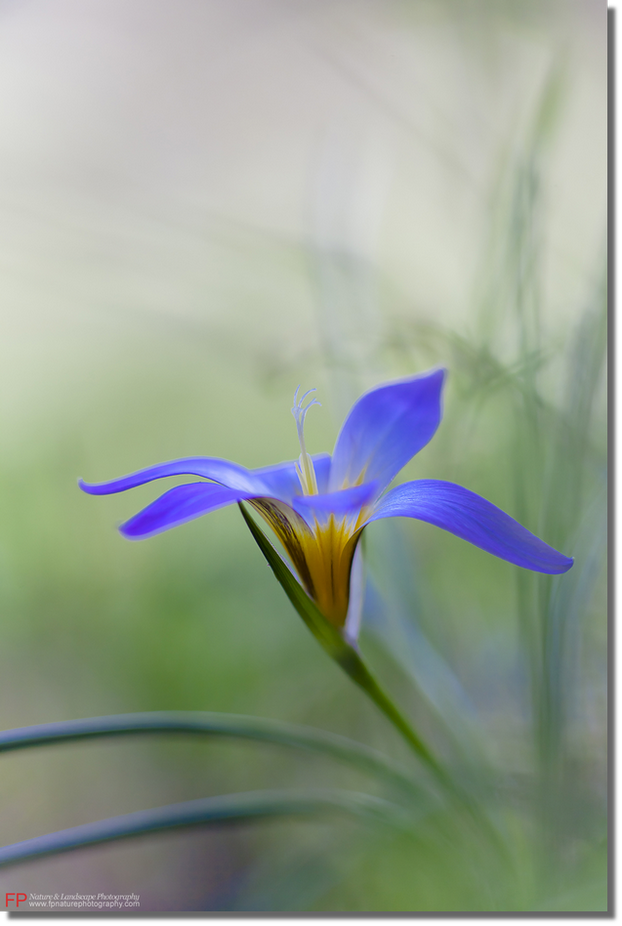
column 228, row 808
column 212, row 724
column 321, row 628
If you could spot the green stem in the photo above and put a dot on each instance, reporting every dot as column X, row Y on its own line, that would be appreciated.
column 353, row 665
column 332, row 641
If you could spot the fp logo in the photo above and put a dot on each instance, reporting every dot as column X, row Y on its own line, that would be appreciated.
column 17, row 899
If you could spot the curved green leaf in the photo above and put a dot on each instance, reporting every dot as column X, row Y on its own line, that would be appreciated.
column 212, row 724
column 230, row 808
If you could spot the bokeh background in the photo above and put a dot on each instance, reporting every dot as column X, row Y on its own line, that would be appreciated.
column 205, row 204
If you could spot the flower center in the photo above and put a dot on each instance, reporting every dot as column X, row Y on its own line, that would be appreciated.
column 304, row 466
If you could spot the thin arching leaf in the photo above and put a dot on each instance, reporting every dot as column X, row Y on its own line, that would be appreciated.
column 202, row 723
column 230, row 808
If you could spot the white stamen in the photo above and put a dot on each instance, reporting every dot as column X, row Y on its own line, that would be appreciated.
column 304, row 467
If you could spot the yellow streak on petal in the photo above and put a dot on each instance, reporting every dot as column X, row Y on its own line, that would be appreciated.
column 291, row 530
column 322, row 555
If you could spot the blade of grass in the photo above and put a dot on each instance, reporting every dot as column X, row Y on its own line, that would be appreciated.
column 258, row 729
column 230, row 808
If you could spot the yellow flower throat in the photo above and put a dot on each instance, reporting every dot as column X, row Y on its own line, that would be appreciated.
column 322, row 554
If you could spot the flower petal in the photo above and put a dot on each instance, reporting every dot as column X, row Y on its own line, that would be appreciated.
column 471, row 517
column 222, row 471
column 385, row 429
column 281, row 481
column 354, row 616
column 344, row 502
column 180, row 504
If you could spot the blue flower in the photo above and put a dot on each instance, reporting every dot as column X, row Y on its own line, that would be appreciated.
column 319, row 505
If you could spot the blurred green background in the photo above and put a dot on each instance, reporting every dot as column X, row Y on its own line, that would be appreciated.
column 204, row 205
